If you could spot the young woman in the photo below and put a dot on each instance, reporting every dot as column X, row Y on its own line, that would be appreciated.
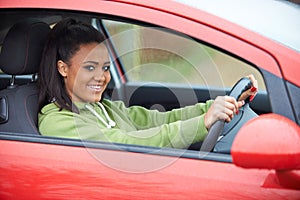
column 73, row 76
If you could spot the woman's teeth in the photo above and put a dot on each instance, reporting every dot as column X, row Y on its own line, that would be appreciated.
column 95, row 87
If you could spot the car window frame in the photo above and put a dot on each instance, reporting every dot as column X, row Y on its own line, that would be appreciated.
column 32, row 138
column 59, row 141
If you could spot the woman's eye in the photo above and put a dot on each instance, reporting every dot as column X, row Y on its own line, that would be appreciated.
column 90, row 68
column 106, row 68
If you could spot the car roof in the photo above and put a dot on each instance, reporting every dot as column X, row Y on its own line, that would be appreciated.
column 275, row 19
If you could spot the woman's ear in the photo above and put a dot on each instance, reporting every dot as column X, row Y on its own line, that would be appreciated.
column 62, row 68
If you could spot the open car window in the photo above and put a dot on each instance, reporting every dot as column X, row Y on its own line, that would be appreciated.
column 149, row 54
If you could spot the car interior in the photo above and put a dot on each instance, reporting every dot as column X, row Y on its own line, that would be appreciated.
column 22, row 39
column 20, row 55
column 22, row 42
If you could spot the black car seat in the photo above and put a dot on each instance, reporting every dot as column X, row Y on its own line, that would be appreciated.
column 20, row 55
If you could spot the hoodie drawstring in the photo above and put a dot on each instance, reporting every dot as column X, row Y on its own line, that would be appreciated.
column 110, row 122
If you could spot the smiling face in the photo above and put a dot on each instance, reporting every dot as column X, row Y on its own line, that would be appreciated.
column 87, row 75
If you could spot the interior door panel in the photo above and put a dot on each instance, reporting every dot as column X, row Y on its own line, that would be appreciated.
column 165, row 97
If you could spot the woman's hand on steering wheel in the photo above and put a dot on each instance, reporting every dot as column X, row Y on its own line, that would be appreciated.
column 250, row 93
column 225, row 107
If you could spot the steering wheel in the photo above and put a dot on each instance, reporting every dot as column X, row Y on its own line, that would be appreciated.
column 221, row 135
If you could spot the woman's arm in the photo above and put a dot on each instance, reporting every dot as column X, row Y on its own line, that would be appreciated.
column 179, row 134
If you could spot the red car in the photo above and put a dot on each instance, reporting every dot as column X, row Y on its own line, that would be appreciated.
column 165, row 55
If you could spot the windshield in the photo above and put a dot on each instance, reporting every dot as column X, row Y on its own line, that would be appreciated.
column 275, row 19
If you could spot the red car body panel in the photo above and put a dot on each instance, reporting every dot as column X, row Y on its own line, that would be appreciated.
column 69, row 172
column 289, row 147
column 75, row 173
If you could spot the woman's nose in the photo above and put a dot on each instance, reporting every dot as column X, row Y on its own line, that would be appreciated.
column 99, row 75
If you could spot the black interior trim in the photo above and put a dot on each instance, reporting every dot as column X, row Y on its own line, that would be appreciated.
column 3, row 110
column 278, row 95
column 171, row 96
column 294, row 93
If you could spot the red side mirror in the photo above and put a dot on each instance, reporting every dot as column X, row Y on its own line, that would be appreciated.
column 270, row 141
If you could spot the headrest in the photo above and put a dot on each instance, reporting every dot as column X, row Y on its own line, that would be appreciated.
column 22, row 47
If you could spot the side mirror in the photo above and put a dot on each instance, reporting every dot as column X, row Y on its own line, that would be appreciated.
column 270, row 141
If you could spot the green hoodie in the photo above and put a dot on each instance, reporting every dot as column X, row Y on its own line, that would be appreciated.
column 134, row 125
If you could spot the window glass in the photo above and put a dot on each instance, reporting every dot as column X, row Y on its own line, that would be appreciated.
column 159, row 55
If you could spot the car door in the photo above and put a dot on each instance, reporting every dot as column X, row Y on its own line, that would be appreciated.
column 37, row 167
column 53, row 168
